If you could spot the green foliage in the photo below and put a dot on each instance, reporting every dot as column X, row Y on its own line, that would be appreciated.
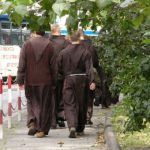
column 60, row 7
column 37, row 13
column 103, row 3
column 23, row 2
column 5, row 6
column 126, row 58
column 21, row 9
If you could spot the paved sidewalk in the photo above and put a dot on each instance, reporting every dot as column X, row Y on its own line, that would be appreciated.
column 16, row 138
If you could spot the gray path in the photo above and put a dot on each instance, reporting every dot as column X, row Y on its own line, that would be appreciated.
column 16, row 138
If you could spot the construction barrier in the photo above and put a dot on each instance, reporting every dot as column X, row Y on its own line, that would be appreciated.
column 10, row 109
column 9, row 100
column 19, row 104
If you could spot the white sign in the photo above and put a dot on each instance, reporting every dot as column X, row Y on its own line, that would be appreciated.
column 9, row 58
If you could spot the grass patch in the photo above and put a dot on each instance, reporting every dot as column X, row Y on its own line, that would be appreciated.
column 127, row 140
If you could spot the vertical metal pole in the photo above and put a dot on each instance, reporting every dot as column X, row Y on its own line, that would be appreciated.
column 9, row 101
column 1, row 107
column 19, row 104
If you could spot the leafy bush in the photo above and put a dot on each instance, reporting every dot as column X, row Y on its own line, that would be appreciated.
column 124, row 52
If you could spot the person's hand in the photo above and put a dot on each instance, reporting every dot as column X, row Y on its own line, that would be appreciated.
column 21, row 87
column 92, row 86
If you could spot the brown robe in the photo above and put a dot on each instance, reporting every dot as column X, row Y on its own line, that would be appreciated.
column 37, row 72
column 59, row 43
column 87, row 43
column 73, row 63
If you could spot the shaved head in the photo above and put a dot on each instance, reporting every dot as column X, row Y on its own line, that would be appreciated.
column 55, row 29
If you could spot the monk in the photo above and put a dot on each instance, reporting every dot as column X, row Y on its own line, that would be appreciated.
column 59, row 42
column 87, row 43
column 37, row 74
column 75, row 66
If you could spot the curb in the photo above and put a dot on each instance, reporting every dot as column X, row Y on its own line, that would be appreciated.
column 109, row 134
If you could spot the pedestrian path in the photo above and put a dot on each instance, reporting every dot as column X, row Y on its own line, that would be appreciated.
column 16, row 138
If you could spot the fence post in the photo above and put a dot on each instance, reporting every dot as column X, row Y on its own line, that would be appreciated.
column 19, row 104
column 9, row 101
column 1, row 108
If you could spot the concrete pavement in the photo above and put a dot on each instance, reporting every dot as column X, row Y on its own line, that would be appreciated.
column 16, row 138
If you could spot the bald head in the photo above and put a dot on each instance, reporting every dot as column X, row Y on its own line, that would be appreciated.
column 55, row 29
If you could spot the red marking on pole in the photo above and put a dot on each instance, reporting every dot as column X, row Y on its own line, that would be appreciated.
column 9, row 81
column 9, row 109
column 1, row 117
column 19, row 103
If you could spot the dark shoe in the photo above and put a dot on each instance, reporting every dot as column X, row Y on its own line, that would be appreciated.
column 72, row 133
column 105, row 106
column 96, row 102
column 80, row 133
column 89, row 122
column 32, row 129
column 61, row 123
column 39, row 135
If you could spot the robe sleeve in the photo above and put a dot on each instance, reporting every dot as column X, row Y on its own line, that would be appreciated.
column 89, row 68
column 21, row 66
column 94, row 57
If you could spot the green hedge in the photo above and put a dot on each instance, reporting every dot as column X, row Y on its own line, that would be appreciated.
column 124, row 52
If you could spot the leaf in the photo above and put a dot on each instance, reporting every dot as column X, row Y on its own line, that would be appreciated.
column 71, row 1
column 5, row 6
column 60, row 1
column 116, row 1
column 23, row 2
column 21, row 9
column 146, row 41
column 70, row 21
column 41, row 20
column 103, row 3
column 16, row 18
column 59, row 7
column 127, row 3
column 146, row 11
column 147, row 33
column 103, row 13
column 138, row 21
column 52, row 17
column 92, row 0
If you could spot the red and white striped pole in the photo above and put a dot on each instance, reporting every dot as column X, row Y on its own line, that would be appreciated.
column 19, row 104
column 1, row 108
column 9, row 101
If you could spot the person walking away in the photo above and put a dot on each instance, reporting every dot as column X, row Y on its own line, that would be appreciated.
column 75, row 65
column 87, row 43
column 59, row 42
column 37, row 74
